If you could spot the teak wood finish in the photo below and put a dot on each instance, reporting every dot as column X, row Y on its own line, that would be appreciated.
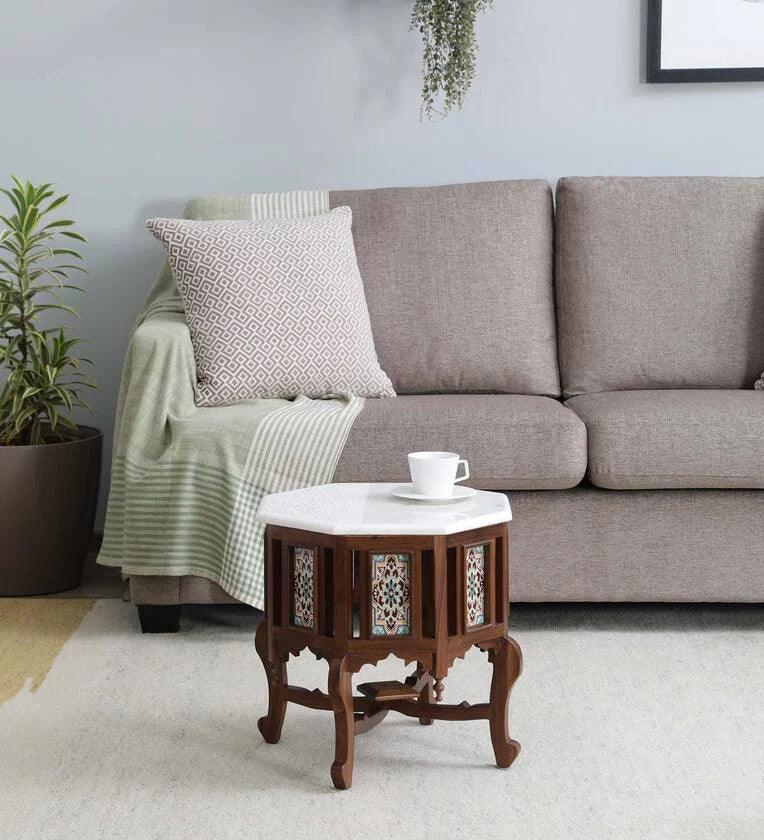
column 341, row 634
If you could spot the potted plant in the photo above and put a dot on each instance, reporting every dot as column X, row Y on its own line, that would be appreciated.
column 49, row 466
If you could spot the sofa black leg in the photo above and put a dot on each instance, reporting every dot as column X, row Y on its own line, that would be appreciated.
column 164, row 618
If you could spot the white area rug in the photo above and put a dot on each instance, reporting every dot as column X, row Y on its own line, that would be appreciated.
column 634, row 722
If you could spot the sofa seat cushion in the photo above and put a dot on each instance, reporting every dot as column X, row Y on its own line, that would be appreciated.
column 642, row 440
column 512, row 442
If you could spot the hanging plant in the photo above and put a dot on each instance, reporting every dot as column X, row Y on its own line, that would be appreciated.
column 450, row 48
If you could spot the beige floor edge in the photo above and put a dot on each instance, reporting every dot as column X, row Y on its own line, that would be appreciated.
column 32, row 633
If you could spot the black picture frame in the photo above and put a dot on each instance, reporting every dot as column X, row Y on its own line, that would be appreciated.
column 655, row 74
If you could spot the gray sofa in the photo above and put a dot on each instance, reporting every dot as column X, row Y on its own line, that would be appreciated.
column 595, row 359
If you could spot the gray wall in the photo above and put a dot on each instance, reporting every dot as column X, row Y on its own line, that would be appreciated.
column 135, row 106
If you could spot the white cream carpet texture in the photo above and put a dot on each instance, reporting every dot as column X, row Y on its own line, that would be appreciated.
column 634, row 723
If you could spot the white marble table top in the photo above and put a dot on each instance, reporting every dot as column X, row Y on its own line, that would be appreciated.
column 368, row 509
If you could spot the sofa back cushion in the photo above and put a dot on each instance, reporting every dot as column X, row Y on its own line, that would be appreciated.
column 458, row 281
column 660, row 283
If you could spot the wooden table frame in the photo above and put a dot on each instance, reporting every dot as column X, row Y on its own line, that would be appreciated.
column 438, row 633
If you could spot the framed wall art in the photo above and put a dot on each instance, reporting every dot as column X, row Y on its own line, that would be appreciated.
column 705, row 41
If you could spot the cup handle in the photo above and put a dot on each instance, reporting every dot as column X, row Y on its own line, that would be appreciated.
column 466, row 471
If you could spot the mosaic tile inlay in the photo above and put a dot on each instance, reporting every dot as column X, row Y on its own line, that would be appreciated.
column 475, row 584
column 302, row 587
column 390, row 584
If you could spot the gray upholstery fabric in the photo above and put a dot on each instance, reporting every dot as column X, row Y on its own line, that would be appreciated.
column 458, row 281
column 660, row 439
column 198, row 590
column 510, row 441
column 167, row 589
column 660, row 283
column 588, row 544
column 159, row 589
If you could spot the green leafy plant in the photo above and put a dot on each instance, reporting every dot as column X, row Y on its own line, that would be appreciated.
column 42, row 376
column 450, row 49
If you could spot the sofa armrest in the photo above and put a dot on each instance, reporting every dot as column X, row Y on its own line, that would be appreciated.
column 164, row 337
column 158, row 383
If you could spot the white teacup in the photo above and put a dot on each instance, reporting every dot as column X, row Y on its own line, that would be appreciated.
column 434, row 473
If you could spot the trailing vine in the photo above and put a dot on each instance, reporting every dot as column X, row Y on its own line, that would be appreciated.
column 450, row 48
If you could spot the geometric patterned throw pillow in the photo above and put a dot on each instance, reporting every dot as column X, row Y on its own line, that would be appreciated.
column 275, row 308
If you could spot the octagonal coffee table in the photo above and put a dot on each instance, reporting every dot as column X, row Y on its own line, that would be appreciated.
column 353, row 575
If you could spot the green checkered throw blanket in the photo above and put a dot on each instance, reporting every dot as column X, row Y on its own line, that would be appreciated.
column 186, row 481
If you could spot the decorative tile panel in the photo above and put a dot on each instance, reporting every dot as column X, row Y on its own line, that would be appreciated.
column 390, row 587
column 302, row 587
column 474, row 578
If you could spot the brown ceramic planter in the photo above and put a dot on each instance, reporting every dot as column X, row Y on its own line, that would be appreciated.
column 48, row 497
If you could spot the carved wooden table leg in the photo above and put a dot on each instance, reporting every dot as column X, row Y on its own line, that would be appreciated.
column 507, row 660
column 439, row 687
column 426, row 695
column 341, row 693
column 276, row 672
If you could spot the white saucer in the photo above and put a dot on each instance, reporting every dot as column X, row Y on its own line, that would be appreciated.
column 406, row 491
